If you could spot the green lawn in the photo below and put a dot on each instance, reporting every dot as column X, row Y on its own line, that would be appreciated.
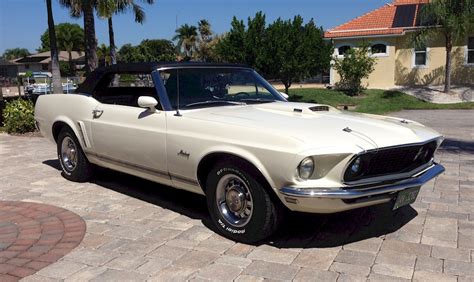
column 373, row 101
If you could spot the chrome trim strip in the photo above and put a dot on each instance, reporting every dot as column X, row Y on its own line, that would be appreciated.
column 202, row 67
column 130, row 165
column 406, row 145
column 146, row 169
column 184, row 179
column 84, row 134
column 369, row 179
column 353, row 193
column 161, row 91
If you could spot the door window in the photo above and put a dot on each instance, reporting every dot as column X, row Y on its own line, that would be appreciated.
column 125, row 88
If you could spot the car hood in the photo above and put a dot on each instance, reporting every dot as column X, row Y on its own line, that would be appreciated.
column 318, row 125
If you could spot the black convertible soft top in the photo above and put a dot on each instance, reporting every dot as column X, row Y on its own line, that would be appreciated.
column 87, row 87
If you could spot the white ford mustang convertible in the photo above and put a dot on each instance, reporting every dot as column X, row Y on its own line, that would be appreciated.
column 224, row 132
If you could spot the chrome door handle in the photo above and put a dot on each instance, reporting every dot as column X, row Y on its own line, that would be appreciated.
column 97, row 113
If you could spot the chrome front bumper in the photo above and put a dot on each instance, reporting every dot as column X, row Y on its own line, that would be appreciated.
column 364, row 191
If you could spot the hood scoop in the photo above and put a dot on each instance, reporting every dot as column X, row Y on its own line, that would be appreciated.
column 313, row 109
column 320, row 109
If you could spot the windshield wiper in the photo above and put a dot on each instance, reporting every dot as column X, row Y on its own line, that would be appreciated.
column 258, row 100
column 210, row 102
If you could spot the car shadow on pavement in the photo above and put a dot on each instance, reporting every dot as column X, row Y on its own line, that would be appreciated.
column 297, row 231
column 333, row 230
column 455, row 146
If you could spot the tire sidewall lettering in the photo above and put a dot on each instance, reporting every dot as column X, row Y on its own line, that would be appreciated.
column 221, row 223
column 225, row 170
column 229, row 228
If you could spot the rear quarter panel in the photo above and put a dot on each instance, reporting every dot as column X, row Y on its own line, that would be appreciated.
column 66, row 108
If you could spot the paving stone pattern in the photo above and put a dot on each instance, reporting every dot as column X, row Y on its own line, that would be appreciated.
column 33, row 236
column 138, row 230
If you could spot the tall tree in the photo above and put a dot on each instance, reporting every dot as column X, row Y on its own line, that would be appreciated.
column 255, row 41
column 454, row 19
column 103, row 53
column 130, row 54
column 205, row 50
column 15, row 53
column 108, row 8
column 187, row 37
column 205, row 30
column 85, row 8
column 245, row 44
column 158, row 50
column 230, row 47
column 70, row 37
column 287, row 50
column 295, row 51
column 149, row 50
column 57, row 87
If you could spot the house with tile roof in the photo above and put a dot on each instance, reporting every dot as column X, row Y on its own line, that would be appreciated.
column 41, row 62
column 388, row 31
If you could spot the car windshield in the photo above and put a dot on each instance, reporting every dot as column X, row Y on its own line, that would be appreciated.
column 209, row 87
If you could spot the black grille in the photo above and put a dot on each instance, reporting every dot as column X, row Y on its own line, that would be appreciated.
column 391, row 161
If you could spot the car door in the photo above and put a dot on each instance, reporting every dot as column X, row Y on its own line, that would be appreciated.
column 129, row 138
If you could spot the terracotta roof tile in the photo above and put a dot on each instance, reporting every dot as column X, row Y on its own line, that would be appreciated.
column 404, row 2
column 389, row 19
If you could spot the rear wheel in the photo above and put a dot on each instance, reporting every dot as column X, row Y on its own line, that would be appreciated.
column 74, row 163
column 239, row 205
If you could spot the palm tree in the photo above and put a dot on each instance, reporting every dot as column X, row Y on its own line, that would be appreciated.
column 70, row 38
column 86, row 9
column 57, row 87
column 205, row 30
column 206, row 44
column 15, row 53
column 107, row 8
column 454, row 19
column 103, row 53
column 187, row 37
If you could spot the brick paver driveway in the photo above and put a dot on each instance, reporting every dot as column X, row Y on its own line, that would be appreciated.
column 139, row 230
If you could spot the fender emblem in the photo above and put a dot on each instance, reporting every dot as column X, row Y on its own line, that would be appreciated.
column 183, row 154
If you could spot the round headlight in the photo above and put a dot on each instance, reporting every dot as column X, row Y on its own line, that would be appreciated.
column 356, row 166
column 306, row 168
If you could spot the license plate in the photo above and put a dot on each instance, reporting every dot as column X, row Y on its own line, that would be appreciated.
column 406, row 197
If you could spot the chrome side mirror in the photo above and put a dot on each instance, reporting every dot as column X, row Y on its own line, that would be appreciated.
column 147, row 102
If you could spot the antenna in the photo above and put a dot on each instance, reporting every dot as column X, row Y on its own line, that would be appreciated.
column 178, row 114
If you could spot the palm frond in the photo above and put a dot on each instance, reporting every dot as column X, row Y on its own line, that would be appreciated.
column 74, row 6
column 139, row 13
column 106, row 8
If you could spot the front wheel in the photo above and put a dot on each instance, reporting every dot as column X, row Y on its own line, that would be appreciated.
column 74, row 163
column 239, row 205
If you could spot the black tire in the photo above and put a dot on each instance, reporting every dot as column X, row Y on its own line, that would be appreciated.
column 82, row 170
column 265, row 213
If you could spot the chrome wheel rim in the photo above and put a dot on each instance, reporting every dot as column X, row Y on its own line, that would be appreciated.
column 234, row 200
column 68, row 153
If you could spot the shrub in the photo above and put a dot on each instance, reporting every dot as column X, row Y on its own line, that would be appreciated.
column 18, row 116
column 356, row 65
column 66, row 69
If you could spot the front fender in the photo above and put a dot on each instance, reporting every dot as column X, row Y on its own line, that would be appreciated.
column 244, row 154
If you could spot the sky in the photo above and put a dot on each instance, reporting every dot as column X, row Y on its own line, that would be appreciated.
column 23, row 21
